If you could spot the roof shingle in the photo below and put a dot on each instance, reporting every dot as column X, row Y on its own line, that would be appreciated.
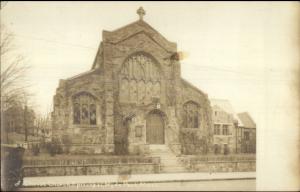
column 246, row 120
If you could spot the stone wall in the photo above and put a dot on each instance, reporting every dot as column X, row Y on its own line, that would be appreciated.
column 109, row 169
column 195, row 140
column 246, row 163
column 62, row 115
column 137, row 135
column 246, row 166
column 91, row 166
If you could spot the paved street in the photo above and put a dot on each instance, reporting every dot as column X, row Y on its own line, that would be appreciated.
column 214, row 185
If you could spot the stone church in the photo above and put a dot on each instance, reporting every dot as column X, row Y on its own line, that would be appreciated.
column 133, row 97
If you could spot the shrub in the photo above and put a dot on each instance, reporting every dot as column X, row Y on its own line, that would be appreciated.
column 54, row 147
column 35, row 149
column 66, row 140
column 193, row 144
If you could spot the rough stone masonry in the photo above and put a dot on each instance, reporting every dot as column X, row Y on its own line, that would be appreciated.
column 133, row 97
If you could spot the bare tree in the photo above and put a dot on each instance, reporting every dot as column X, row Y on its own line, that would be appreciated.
column 13, row 73
column 13, row 76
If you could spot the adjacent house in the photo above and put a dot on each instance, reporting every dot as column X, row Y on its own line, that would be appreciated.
column 246, row 133
column 224, row 126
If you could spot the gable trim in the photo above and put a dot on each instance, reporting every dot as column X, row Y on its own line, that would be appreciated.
column 139, row 26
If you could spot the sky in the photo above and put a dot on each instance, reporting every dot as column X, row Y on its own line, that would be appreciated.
column 245, row 52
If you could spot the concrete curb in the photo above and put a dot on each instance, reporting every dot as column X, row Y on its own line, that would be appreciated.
column 132, row 179
column 137, row 182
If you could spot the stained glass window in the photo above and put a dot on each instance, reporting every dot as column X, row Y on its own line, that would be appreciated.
column 190, row 115
column 143, row 78
column 84, row 109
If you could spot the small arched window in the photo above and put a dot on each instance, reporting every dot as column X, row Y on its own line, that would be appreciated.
column 190, row 115
column 84, row 109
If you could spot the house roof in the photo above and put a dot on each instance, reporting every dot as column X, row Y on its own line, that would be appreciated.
column 246, row 120
column 226, row 106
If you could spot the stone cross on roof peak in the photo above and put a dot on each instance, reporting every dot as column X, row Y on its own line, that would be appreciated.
column 141, row 12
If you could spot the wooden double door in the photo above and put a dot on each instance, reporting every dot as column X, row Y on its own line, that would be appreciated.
column 155, row 132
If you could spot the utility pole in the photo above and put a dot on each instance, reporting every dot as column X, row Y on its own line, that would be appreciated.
column 25, row 122
column 6, row 130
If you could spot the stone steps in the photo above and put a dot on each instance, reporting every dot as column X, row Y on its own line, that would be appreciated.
column 169, row 162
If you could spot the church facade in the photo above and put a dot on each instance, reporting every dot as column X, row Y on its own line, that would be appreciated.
column 133, row 97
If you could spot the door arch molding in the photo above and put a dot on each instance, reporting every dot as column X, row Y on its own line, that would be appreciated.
column 155, row 127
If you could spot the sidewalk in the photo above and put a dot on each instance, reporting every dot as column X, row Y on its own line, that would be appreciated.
column 142, row 178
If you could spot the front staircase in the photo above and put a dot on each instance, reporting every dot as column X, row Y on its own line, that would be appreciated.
column 169, row 162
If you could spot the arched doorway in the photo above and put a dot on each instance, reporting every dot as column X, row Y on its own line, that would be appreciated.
column 155, row 133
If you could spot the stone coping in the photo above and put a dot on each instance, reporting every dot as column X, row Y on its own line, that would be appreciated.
column 86, row 160
column 87, row 165
column 80, row 157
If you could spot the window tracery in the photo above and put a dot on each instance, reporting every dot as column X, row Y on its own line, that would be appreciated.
column 190, row 115
column 140, row 80
column 84, row 109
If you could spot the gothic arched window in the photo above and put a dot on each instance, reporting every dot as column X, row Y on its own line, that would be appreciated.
column 84, row 109
column 190, row 115
column 140, row 79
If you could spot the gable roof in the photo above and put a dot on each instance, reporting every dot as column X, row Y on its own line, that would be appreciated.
column 224, row 104
column 134, row 28
column 188, row 84
column 87, row 73
column 246, row 120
